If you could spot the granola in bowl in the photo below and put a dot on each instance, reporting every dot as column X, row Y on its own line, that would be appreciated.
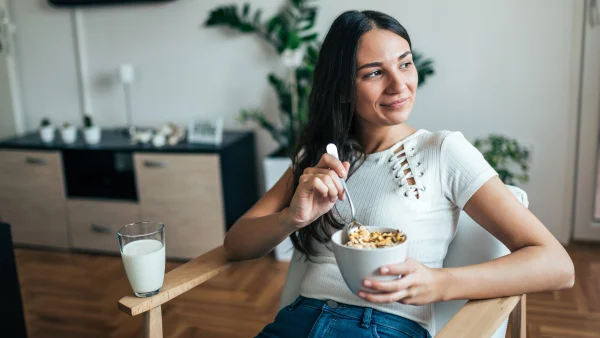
column 365, row 239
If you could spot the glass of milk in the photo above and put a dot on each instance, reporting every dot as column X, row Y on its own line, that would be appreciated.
column 143, row 251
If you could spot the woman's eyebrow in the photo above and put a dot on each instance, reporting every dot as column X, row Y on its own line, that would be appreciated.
column 378, row 64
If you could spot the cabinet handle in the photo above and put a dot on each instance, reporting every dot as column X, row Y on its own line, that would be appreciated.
column 104, row 229
column 155, row 164
column 36, row 160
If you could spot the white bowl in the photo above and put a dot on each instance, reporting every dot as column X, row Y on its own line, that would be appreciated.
column 356, row 264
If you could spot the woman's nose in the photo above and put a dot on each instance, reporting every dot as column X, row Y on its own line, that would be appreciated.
column 397, row 83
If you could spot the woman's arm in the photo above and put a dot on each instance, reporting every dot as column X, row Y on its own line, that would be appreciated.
column 537, row 262
column 284, row 210
column 264, row 226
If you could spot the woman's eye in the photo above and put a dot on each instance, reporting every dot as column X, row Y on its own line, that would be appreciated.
column 406, row 65
column 373, row 74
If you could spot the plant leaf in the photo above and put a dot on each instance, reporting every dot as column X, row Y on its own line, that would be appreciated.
column 258, row 117
column 309, row 37
column 246, row 10
column 228, row 16
column 283, row 93
column 256, row 20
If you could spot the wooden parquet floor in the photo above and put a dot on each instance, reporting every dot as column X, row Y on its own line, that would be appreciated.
column 570, row 313
column 75, row 295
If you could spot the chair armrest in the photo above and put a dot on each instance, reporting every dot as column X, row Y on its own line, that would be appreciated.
column 179, row 280
column 479, row 318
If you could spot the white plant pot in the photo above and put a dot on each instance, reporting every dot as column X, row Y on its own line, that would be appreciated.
column 159, row 140
column 68, row 134
column 92, row 135
column 274, row 168
column 47, row 134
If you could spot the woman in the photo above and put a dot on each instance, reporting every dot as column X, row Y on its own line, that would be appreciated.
column 415, row 180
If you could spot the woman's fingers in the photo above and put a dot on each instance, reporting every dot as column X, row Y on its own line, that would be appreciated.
column 337, row 183
column 331, row 189
column 385, row 297
column 329, row 162
column 329, row 170
column 390, row 286
column 332, row 174
column 321, row 184
column 314, row 183
column 408, row 266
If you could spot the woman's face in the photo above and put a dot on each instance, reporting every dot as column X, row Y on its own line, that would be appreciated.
column 386, row 80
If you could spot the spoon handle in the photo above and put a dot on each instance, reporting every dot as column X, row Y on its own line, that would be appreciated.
column 332, row 150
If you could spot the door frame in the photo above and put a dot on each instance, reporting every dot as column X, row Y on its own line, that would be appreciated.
column 8, row 60
column 588, row 132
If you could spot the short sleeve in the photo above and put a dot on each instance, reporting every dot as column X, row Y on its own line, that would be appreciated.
column 463, row 169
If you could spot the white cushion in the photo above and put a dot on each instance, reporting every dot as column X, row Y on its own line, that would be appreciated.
column 472, row 245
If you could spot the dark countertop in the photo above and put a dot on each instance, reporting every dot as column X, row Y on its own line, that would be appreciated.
column 117, row 140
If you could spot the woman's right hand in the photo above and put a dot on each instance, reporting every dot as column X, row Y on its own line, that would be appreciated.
column 318, row 189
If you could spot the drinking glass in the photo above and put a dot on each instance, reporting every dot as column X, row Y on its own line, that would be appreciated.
column 142, row 247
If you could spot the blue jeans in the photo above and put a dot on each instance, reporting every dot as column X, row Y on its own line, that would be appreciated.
column 307, row 317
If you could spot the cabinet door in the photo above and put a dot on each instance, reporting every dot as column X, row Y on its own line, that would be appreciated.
column 183, row 192
column 32, row 197
column 94, row 223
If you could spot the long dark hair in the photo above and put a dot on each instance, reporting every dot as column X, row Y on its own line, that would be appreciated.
column 331, row 110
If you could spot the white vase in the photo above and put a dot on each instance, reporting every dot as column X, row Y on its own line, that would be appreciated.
column 68, row 134
column 92, row 135
column 159, row 140
column 47, row 134
column 274, row 168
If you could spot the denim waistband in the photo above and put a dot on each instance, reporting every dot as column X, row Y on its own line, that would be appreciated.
column 365, row 315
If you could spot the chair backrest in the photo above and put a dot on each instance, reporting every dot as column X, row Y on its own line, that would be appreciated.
column 471, row 245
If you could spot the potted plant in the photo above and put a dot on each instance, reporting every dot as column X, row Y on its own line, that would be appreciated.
column 290, row 33
column 509, row 158
column 68, row 133
column 47, row 131
column 91, row 132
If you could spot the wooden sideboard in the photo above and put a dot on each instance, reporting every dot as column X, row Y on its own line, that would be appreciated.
column 75, row 197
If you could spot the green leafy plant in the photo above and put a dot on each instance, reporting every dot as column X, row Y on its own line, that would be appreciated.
column 506, row 156
column 290, row 29
column 88, row 122
column 45, row 122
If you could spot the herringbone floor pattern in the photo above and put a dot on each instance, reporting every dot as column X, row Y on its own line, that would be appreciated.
column 574, row 312
column 75, row 295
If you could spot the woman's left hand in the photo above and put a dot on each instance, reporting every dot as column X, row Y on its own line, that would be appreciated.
column 418, row 285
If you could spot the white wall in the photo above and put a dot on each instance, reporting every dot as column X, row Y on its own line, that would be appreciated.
column 502, row 66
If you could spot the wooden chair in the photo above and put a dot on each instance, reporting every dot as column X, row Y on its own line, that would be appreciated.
column 471, row 245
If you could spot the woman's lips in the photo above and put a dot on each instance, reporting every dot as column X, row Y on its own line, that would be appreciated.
column 395, row 104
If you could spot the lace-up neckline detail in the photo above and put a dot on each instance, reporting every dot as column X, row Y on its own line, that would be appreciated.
column 406, row 169
column 404, row 165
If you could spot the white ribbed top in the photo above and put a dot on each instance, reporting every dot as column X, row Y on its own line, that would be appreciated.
column 447, row 170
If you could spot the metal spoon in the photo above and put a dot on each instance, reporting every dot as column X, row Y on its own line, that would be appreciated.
column 354, row 224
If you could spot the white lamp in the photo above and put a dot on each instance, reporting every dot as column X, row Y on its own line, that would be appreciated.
column 126, row 76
